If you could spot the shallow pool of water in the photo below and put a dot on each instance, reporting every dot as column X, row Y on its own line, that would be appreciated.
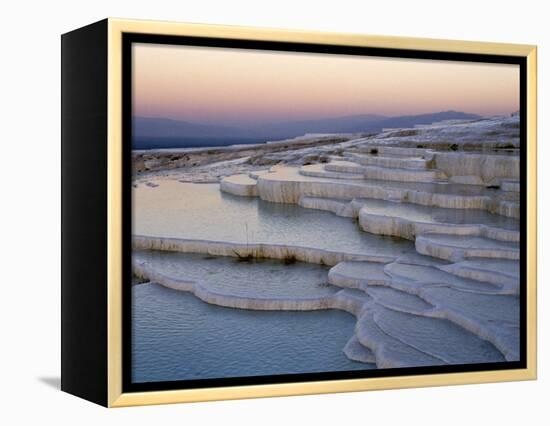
column 175, row 336
column 426, row 214
column 262, row 278
column 202, row 211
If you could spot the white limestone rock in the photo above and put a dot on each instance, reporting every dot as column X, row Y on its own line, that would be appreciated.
column 396, row 300
column 350, row 300
column 338, row 207
column 241, row 184
column 252, row 250
column 342, row 166
column 491, row 317
column 506, row 208
column 402, row 227
column 504, row 273
column 456, row 248
column 510, row 185
column 389, row 351
column 395, row 151
column 355, row 351
column 439, row 338
column 286, row 185
column 403, row 175
column 358, row 275
column 489, row 169
column 394, row 162
column 420, row 260
column 257, row 173
column 319, row 170
column 412, row 277
column 500, row 133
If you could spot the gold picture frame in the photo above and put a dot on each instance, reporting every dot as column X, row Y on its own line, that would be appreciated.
column 115, row 396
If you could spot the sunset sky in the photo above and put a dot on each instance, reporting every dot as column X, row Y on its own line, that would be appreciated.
column 236, row 86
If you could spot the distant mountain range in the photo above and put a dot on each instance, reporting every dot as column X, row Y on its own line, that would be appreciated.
column 168, row 133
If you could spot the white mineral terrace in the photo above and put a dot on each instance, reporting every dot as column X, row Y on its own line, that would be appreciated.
column 452, row 298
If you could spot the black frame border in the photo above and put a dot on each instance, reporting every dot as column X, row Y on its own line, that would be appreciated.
column 129, row 38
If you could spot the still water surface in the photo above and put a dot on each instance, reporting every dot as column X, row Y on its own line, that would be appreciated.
column 175, row 336
column 202, row 211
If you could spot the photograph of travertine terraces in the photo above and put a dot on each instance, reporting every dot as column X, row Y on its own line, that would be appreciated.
column 298, row 213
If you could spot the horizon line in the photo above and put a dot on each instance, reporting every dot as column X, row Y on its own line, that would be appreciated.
column 382, row 116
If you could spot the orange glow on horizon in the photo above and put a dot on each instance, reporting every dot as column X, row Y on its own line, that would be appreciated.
column 221, row 85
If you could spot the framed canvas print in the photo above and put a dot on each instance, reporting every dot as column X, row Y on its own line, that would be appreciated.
column 250, row 212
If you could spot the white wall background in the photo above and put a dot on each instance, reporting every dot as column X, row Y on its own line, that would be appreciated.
column 30, row 200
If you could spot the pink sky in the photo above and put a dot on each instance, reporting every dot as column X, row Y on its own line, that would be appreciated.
column 231, row 86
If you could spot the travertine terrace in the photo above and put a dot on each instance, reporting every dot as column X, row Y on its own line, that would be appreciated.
column 451, row 188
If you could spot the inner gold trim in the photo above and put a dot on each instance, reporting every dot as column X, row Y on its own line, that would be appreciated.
column 114, row 213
